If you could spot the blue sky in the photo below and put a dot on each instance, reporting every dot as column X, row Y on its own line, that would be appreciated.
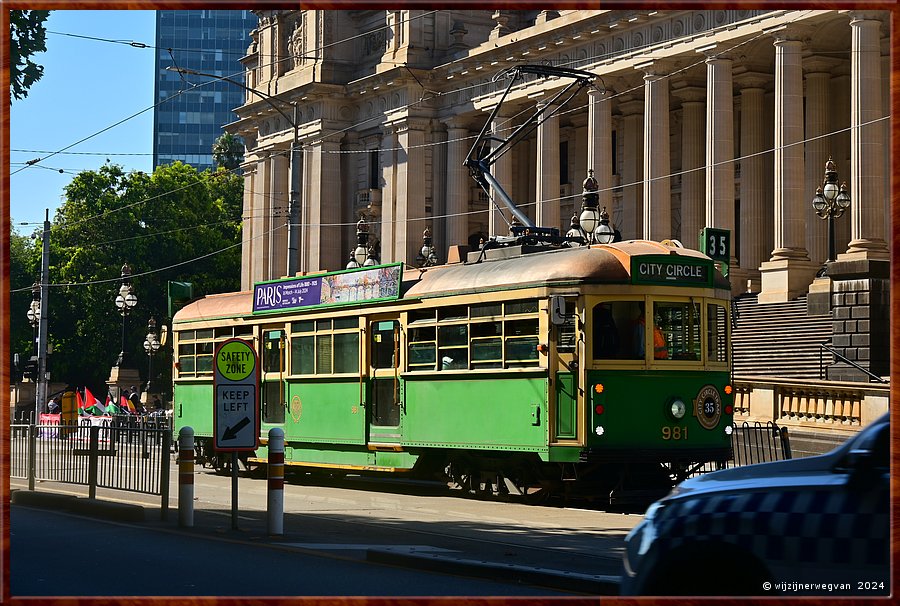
column 87, row 86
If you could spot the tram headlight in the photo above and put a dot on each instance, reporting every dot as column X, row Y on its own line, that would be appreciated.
column 677, row 408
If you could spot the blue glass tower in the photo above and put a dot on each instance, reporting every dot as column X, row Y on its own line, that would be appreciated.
column 211, row 41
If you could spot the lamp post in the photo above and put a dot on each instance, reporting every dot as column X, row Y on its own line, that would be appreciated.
column 126, row 300
column 605, row 233
column 151, row 346
column 294, row 202
column 830, row 202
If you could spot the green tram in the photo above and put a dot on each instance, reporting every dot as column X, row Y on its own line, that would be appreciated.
column 525, row 374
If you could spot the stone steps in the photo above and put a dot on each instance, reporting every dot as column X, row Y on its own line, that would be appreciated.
column 778, row 339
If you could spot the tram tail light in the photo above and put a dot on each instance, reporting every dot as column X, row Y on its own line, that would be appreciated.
column 728, row 389
column 598, row 388
column 729, row 409
column 599, row 409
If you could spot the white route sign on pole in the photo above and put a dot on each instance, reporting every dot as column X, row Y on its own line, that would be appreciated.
column 236, row 396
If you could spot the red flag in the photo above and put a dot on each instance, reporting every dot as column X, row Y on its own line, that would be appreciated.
column 78, row 400
column 89, row 399
column 126, row 403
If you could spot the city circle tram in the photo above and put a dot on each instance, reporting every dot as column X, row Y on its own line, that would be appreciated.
column 599, row 371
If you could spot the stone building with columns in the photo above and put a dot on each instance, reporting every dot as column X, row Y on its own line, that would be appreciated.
column 719, row 118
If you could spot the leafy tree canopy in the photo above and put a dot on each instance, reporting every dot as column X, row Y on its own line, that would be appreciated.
column 174, row 225
column 227, row 151
column 27, row 37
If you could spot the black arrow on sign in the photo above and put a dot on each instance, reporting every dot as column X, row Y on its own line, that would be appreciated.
column 231, row 432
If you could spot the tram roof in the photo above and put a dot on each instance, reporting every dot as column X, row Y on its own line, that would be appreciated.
column 601, row 263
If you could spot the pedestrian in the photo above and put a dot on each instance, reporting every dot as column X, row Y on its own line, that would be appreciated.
column 53, row 406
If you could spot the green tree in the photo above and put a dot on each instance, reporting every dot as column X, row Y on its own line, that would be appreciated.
column 27, row 37
column 228, row 151
column 176, row 224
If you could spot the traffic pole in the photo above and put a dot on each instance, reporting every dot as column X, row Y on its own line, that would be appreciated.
column 186, row 477
column 275, row 503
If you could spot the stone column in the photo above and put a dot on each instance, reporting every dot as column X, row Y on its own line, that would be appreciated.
column 789, row 272
column 279, row 191
column 458, row 185
column 861, row 276
column 839, row 142
column 818, row 91
column 547, row 173
column 866, row 141
column 693, row 155
column 439, row 190
column 322, row 246
column 248, row 244
column 599, row 147
column 411, row 190
column 657, row 158
column 631, row 128
column 756, row 206
column 389, row 226
column 498, row 223
column 720, row 144
column 260, row 221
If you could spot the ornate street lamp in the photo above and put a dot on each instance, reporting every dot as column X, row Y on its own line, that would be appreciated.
column 34, row 310
column 605, row 233
column 830, row 202
column 151, row 346
column 590, row 199
column 126, row 300
column 360, row 253
column 426, row 256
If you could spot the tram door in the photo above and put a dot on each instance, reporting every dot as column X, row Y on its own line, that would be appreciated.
column 272, row 387
column 383, row 399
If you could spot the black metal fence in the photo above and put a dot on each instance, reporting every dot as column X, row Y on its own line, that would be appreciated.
column 759, row 443
column 121, row 453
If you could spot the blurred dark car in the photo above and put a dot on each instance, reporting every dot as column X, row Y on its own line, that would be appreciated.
column 813, row 526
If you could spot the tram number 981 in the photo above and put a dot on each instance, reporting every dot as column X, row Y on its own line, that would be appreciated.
column 674, row 432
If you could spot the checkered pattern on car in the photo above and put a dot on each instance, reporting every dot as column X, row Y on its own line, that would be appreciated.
column 813, row 525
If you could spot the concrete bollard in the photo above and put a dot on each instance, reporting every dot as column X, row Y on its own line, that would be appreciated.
column 275, row 502
column 186, row 477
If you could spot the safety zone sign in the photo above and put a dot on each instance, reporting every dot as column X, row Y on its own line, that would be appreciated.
column 236, row 403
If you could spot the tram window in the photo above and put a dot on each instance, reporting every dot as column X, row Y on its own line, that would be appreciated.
column 273, row 351
column 272, row 406
column 422, row 348
column 618, row 332
column 457, row 312
column 303, row 326
column 205, row 334
column 323, row 325
column 223, row 333
column 416, row 317
column 323, row 353
column 487, row 310
column 383, row 344
column 302, row 355
column 487, row 345
column 565, row 332
column 521, row 343
column 243, row 331
column 716, row 333
column 186, row 359
column 453, row 347
column 346, row 323
column 346, row 351
column 204, row 358
column 680, row 326
column 522, row 307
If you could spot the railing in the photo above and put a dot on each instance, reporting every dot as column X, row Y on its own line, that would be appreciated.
column 752, row 443
column 115, row 453
column 809, row 403
column 823, row 369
